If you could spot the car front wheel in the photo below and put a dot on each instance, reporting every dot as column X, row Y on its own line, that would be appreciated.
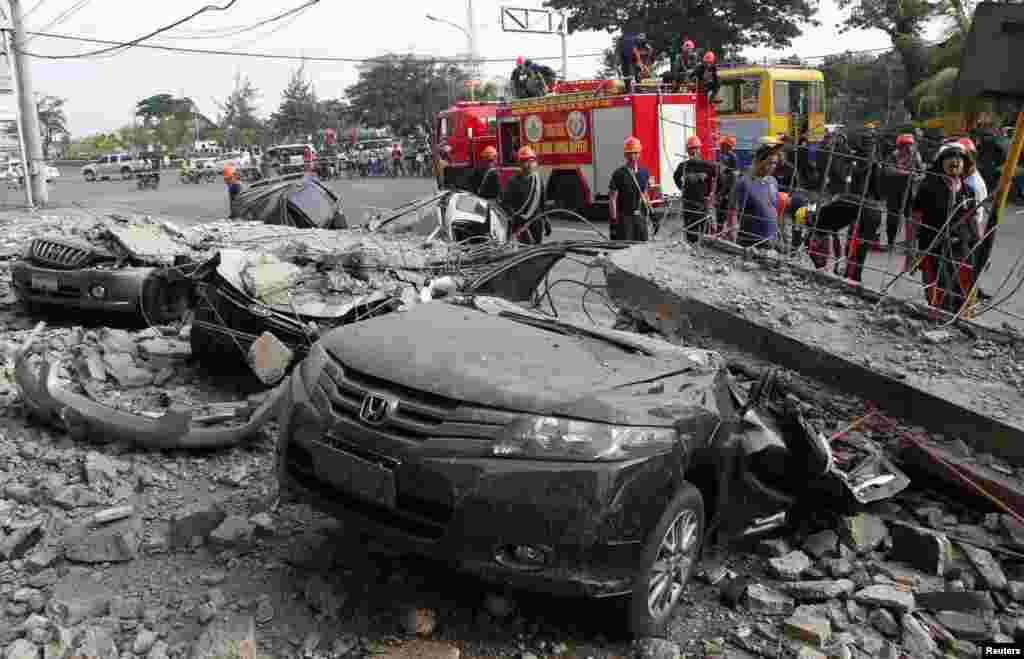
column 670, row 556
column 90, row 177
column 126, row 173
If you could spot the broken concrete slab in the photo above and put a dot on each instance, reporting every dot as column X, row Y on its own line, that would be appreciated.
column 671, row 287
column 863, row 533
column 222, row 634
column 817, row 591
column 964, row 625
column 899, row 601
column 821, row 544
column 815, row 631
column 77, row 598
column 19, row 542
column 96, row 643
column 117, row 542
column 767, row 601
column 196, row 521
column 121, row 366
column 916, row 639
column 923, row 548
column 791, row 566
column 988, row 567
column 269, row 358
column 234, row 532
column 963, row 601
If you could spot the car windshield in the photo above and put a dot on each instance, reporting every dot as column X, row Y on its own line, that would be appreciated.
column 421, row 217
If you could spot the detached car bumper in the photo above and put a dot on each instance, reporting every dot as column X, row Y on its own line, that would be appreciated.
column 566, row 528
column 87, row 289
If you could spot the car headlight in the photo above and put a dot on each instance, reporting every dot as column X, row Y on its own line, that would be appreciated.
column 553, row 438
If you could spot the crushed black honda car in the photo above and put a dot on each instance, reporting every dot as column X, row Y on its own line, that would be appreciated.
column 548, row 455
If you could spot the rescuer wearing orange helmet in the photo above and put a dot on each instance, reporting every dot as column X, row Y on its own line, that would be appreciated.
column 524, row 201
column 697, row 180
column 628, row 203
column 728, row 170
column 485, row 179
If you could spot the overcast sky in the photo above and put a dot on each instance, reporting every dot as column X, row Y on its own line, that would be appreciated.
column 102, row 92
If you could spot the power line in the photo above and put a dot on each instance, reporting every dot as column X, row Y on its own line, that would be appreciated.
column 34, row 7
column 358, row 60
column 273, row 31
column 208, row 51
column 222, row 33
column 65, row 15
column 136, row 42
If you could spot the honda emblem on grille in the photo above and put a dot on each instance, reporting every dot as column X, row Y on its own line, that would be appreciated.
column 375, row 409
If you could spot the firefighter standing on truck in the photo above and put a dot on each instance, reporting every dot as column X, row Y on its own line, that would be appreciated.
column 697, row 179
column 485, row 179
column 524, row 201
column 627, row 196
column 706, row 76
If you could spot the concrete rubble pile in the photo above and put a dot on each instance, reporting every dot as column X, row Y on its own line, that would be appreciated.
column 889, row 582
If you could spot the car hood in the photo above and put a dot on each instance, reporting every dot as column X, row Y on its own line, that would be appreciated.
column 484, row 359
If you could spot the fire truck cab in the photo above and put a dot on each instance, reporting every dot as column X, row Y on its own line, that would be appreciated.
column 468, row 128
column 578, row 136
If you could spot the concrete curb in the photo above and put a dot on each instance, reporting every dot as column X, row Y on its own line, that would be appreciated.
column 678, row 315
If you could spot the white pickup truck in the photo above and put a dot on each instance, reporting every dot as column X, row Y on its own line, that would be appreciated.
column 109, row 166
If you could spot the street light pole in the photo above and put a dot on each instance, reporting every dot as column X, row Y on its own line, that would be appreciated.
column 469, row 39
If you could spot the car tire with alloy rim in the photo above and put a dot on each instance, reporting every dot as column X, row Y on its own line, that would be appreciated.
column 669, row 559
column 90, row 177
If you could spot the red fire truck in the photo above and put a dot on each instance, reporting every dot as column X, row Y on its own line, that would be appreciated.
column 468, row 128
column 578, row 137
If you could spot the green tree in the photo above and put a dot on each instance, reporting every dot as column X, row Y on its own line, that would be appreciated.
column 299, row 114
column 904, row 21
column 52, row 119
column 238, row 113
column 173, row 133
column 403, row 92
column 154, row 108
column 724, row 27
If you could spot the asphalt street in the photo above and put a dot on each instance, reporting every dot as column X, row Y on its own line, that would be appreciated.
column 208, row 201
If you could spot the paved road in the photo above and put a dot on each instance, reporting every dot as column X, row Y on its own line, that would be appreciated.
column 208, row 201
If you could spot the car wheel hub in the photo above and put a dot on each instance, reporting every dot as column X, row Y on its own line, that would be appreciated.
column 672, row 564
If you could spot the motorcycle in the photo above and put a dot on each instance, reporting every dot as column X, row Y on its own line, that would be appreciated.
column 189, row 175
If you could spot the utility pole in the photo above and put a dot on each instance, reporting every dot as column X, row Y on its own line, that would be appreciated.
column 564, row 33
column 21, row 132
column 35, row 178
column 470, row 37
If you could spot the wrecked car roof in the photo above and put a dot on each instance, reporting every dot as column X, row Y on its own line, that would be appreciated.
column 486, row 359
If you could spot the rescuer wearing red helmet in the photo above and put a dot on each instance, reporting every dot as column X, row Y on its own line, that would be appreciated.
column 485, row 178
column 706, row 76
column 947, row 245
column 628, row 204
column 697, row 180
column 524, row 201
column 903, row 173
column 518, row 78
